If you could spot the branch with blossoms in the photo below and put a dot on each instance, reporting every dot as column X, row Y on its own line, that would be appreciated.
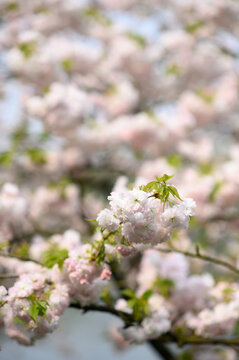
column 169, row 337
column 165, row 305
column 137, row 219
column 198, row 255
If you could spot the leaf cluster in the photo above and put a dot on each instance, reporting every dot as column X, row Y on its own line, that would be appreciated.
column 139, row 305
column 161, row 190
column 38, row 308
column 163, row 286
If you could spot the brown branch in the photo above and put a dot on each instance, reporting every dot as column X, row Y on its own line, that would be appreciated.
column 198, row 255
column 10, row 276
column 161, row 349
column 165, row 338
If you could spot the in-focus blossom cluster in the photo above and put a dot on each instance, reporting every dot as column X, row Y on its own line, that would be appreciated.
column 143, row 218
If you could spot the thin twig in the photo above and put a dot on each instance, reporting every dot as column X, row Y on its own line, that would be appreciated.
column 198, row 255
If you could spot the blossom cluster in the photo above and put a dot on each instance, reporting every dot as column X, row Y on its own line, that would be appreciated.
column 142, row 218
column 179, row 300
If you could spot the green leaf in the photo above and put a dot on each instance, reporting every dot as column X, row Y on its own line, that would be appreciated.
column 164, row 286
column 215, row 191
column 161, row 189
column 206, row 96
column 149, row 187
column 12, row 6
column 67, row 65
column 131, row 303
column 27, row 48
column 228, row 294
column 106, row 296
column 21, row 250
column 42, row 307
column 186, row 356
column 37, row 156
column 205, row 168
column 173, row 69
column 174, row 191
column 236, row 329
column 96, row 15
column 164, row 178
column 38, row 308
column 137, row 38
column 128, row 292
column 147, row 294
column 54, row 256
column 139, row 305
column 6, row 158
column 175, row 160
column 4, row 244
column 91, row 220
column 2, row 303
column 33, row 312
column 17, row 320
column 193, row 27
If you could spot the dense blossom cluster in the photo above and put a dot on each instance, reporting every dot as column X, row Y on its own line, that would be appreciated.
column 142, row 217
column 104, row 97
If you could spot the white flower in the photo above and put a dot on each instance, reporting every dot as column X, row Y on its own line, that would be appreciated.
column 155, row 326
column 189, row 204
column 121, row 305
column 134, row 334
column 107, row 220
column 3, row 293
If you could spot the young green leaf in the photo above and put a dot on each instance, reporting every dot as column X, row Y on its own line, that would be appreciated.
column 128, row 292
column 164, row 286
column 54, row 256
column 164, row 178
column 174, row 191
column 38, row 308
column 33, row 312
column 147, row 294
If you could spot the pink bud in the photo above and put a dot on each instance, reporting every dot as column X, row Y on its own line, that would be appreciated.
column 106, row 274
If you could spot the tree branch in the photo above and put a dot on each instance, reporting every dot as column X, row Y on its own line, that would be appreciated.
column 161, row 349
column 198, row 255
column 8, row 276
column 100, row 308
column 167, row 338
